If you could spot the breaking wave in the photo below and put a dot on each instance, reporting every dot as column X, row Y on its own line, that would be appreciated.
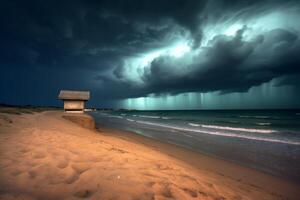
column 257, row 117
column 193, row 124
column 235, row 128
column 149, row 116
column 239, row 129
column 263, row 123
column 218, row 133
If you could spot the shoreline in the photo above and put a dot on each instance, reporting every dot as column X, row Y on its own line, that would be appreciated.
column 43, row 155
column 202, row 161
column 275, row 153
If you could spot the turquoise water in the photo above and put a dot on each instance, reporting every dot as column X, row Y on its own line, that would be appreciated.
column 268, row 140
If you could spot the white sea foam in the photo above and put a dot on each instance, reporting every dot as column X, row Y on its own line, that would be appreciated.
column 263, row 123
column 249, row 137
column 193, row 124
column 239, row 129
column 114, row 116
column 150, row 116
column 258, row 117
column 165, row 117
column 131, row 120
column 261, row 117
column 188, row 135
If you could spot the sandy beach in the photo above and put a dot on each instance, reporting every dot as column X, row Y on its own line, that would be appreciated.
column 45, row 156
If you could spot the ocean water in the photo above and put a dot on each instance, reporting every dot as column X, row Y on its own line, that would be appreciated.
column 267, row 140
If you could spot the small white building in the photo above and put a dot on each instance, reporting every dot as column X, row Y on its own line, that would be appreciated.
column 74, row 100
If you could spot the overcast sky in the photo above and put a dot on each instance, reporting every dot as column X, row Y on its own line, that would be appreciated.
column 146, row 54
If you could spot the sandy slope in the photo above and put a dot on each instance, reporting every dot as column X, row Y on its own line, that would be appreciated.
column 43, row 156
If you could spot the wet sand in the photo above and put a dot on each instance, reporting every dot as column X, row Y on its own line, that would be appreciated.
column 45, row 156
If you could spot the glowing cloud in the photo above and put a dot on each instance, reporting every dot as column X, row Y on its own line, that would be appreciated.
column 231, row 30
column 179, row 50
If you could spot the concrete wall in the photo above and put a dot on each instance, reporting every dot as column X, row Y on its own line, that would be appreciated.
column 73, row 105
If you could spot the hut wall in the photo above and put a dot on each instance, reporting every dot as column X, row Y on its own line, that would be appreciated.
column 73, row 105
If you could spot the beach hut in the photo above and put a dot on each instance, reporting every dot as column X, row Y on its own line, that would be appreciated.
column 74, row 100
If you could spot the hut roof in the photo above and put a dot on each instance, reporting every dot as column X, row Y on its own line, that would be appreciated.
column 74, row 95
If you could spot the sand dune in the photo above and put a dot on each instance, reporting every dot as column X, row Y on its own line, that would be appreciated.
column 44, row 156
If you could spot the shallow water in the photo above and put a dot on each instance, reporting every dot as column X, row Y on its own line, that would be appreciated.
column 268, row 140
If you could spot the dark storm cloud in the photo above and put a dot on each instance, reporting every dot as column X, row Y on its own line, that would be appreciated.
column 81, row 39
column 91, row 41
column 56, row 31
column 229, row 65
